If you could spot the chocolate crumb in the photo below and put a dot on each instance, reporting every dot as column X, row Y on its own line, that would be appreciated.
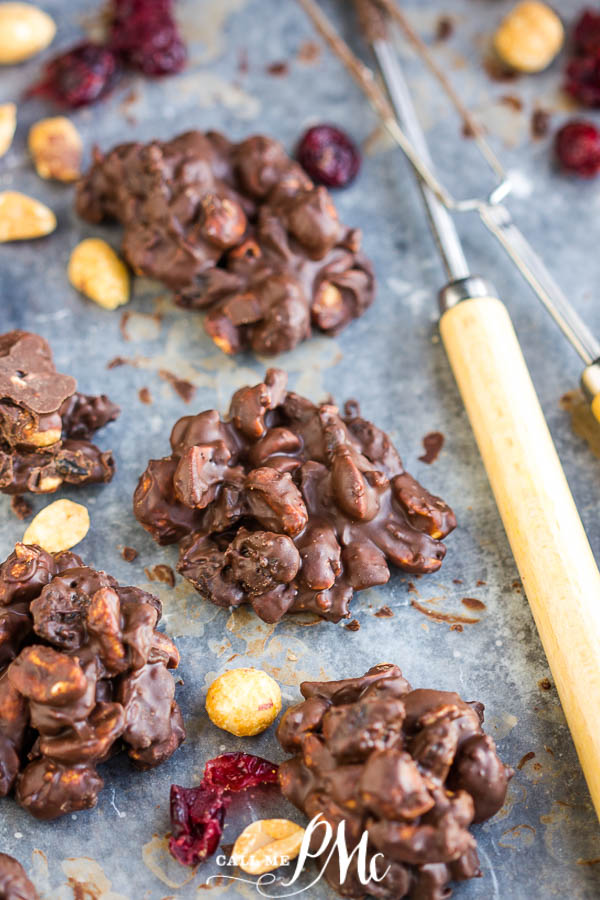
column 456, row 627
column 185, row 389
column 473, row 603
column 384, row 612
column 512, row 102
column 545, row 684
column 525, row 759
column 540, row 123
column 353, row 625
column 411, row 588
column 444, row 28
column 432, row 444
column 457, row 581
column 278, row 69
column 129, row 554
column 443, row 617
column 161, row 572
column 480, row 583
column 497, row 71
column 117, row 361
column 516, row 586
column 145, row 395
column 20, row 507
column 308, row 52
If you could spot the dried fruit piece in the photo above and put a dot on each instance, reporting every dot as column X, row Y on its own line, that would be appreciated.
column 529, row 37
column 577, row 146
column 144, row 33
column 56, row 148
column 8, row 123
column 24, row 31
column 59, row 526
column 96, row 271
column 198, row 814
column 267, row 844
column 329, row 156
column 82, row 75
column 23, row 218
column 243, row 701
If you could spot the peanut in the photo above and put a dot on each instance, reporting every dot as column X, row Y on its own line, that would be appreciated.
column 24, row 31
column 23, row 218
column 58, row 526
column 267, row 844
column 529, row 37
column 243, row 701
column 56, row 148
column 96, row 271
column 8, row 123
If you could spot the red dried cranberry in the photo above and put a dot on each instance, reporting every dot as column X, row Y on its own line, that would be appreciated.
column 577, row 147
column 145, row 34
column 583, row 79
column 586, row 33
column 328, row 156
column 81, row 76
column 198, row 814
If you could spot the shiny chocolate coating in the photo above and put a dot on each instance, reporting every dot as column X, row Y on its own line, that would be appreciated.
column 237, row 228
column 411, row 768
column 83, row 673
column 45, row 423
column 288, row 506
column 14, row 883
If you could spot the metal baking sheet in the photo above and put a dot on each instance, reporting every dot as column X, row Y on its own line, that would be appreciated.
column 545, row 842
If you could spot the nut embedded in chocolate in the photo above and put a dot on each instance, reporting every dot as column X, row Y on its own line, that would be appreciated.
column 411, row 768
column 288, row 506
column 237, row 228
column 45, row 423
column 83, row 672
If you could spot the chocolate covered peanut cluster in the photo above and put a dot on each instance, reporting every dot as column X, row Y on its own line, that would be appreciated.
column 237, row 228
column 288, row 506
column 14, row 883
column 83, row 673
column 45, row 423
column 410, row 768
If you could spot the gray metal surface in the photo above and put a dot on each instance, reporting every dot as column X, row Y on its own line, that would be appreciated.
column 542, row 842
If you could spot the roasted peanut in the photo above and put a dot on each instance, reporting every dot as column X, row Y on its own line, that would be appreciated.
column 56, row 148
column 23, row 218
column 8, row 123
column 24, row 31
column 529, row 37
column 96, row 271
column 267, row 844
column 243, row 701
column 59, row 526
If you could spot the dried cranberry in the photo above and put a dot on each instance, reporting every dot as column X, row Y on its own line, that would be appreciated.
column 81, row 76
column 198, row 814
column 329, row 156
column 145, row 34
column 583, row 79
column 577, row 146
column 586, row 34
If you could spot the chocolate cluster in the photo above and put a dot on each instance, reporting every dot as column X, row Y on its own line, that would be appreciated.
column 239, row 228
column 45, row 423
column 411, row 768
column 288, row 506
column 14, row 883
column 83, row 673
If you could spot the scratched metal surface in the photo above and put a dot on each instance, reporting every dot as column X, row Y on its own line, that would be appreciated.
column 393, row 363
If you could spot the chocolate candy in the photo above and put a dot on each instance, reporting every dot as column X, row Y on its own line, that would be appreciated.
column 14, row 883
column 411, row 768
column 288, row 506
column 83, row 671
column 45, row 423
column 239, row 228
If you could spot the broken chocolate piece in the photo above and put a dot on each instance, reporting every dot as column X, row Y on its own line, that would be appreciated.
column 237, row 228
column 411, row 768
column 288, row 506
column 83, row 671
column 45, row 424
